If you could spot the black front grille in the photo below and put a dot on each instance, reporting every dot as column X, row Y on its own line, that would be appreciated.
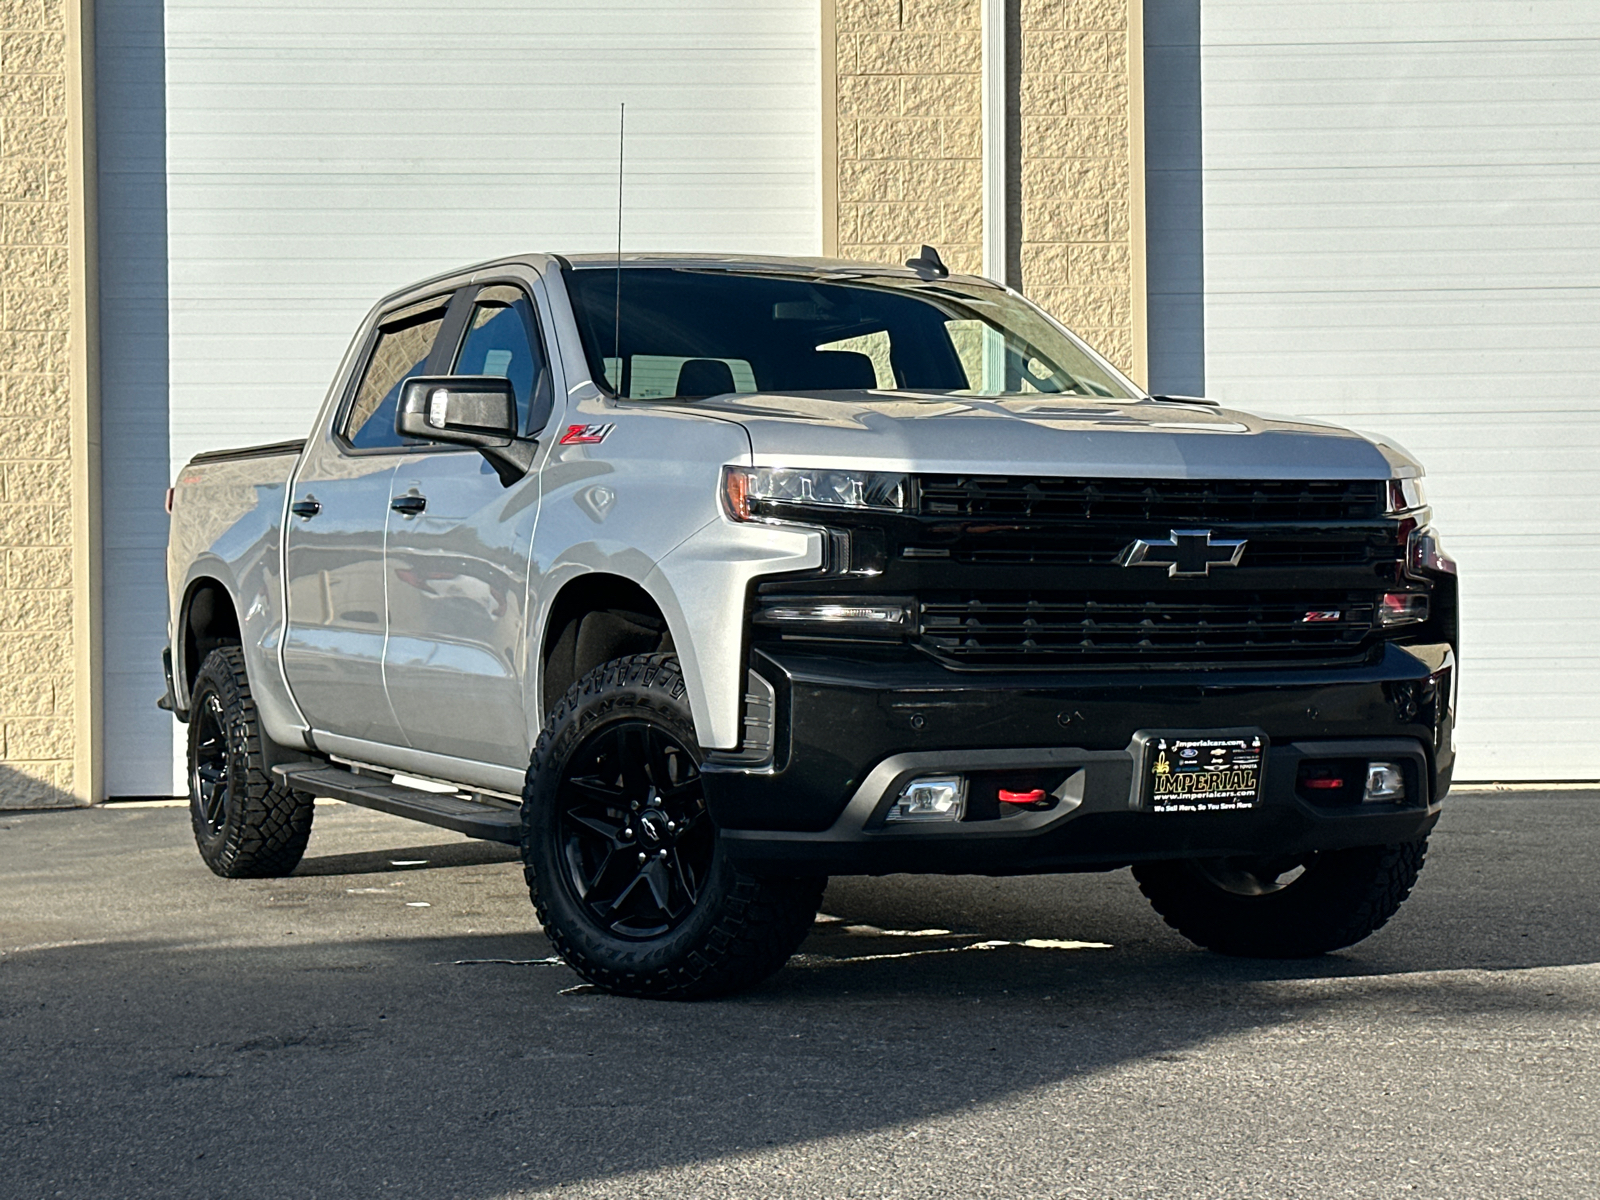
column 1015, row 629
column 1275, row 549
column 1183, row 502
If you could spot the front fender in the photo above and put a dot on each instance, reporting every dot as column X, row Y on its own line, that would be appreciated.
column 548, row 583
column 701, row 587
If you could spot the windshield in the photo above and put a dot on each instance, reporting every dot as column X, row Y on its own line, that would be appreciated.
column 689, row 333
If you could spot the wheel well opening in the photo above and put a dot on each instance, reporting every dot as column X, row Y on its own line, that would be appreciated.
column 209, row 621
column 597, row 618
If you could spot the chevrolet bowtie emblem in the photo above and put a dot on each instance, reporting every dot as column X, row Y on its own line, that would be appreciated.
column 1184, row 552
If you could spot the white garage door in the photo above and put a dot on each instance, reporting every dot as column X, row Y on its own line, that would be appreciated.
column 1402, row 232
column 321, row 153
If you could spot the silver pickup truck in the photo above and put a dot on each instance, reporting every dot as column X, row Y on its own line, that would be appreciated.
column 702, row 579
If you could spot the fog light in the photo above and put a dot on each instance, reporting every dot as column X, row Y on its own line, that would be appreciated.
column 942, row 799
column 1386, row 783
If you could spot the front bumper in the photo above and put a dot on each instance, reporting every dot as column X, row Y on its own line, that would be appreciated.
column 849, row 732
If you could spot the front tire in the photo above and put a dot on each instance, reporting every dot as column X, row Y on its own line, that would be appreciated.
column 247, row 823
column 1294, row 907
column 623, row 862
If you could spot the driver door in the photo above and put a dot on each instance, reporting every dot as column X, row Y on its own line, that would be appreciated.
column 457, row 560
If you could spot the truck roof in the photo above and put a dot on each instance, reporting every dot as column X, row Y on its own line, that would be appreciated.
column 755, row 262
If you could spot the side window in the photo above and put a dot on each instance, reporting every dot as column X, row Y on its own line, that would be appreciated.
column 401, row 351
column 502, row 339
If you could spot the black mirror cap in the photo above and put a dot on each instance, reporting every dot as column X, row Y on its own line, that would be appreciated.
column 467, row 410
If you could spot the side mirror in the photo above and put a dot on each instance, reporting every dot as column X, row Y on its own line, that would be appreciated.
column 467, row 410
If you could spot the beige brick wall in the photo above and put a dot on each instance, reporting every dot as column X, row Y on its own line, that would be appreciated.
column 910, row 165
column 1077, row 198
column 908, row 97
column 37, row 671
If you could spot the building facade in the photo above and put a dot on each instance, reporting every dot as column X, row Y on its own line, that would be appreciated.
column 49, row 718
column 1370, row 213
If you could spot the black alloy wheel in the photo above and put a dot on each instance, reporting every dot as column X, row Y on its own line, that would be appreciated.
column 625, row 865
column 637, row 842
column 248, row 824
column 213, row 766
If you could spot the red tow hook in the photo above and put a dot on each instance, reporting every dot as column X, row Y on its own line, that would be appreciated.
column 1032, row 797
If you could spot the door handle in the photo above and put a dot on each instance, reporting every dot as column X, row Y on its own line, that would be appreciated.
column 307, row 508
column 409, row 506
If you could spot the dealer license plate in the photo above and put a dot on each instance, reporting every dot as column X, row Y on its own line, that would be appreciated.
column 1203, row 774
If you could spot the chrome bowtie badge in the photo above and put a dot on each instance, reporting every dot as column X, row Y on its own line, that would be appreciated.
column 1184, row 552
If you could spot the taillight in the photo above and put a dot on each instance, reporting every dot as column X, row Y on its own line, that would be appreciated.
column 170, row 493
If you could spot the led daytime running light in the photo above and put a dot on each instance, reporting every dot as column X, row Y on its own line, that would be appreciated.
column 1403, row 608
column 851, row 614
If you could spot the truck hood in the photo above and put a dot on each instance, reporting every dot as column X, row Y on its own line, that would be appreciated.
column 947, row 434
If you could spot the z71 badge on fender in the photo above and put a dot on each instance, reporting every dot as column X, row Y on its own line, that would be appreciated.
column 585, row 435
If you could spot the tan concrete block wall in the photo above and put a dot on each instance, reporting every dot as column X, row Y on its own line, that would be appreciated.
column 909, row 110
column 910, row 165
column 1077, row 253
column 37, row 705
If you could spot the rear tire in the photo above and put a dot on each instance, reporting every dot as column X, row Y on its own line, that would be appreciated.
column 247, row 823
column 1260, row 907
column 624, row 865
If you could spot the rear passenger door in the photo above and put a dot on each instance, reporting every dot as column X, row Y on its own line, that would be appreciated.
column 333, row 648
column 457, row 558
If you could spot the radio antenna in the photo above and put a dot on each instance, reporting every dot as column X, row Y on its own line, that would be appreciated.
column 616, row 323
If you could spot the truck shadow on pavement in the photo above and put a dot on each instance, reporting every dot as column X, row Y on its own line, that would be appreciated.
column 411, row 858
column 428, row 1068
column 466, row 1064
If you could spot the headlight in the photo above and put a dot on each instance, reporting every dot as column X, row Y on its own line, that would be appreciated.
column 1405, row 495
column 747, row 490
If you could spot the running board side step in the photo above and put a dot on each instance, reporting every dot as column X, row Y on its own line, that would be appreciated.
column 486, row 818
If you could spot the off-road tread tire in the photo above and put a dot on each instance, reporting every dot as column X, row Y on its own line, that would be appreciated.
column 754, row 925
column 1348, row 895
column 268, row 824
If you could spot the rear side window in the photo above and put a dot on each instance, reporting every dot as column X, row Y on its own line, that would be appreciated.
column 502, row 339
column 402, row 349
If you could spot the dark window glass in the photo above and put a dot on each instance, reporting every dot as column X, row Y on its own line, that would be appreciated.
column 502, row 339
column 401, row 352
column 689, row 333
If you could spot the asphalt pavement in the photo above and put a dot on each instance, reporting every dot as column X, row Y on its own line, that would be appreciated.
column 386, row 1023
